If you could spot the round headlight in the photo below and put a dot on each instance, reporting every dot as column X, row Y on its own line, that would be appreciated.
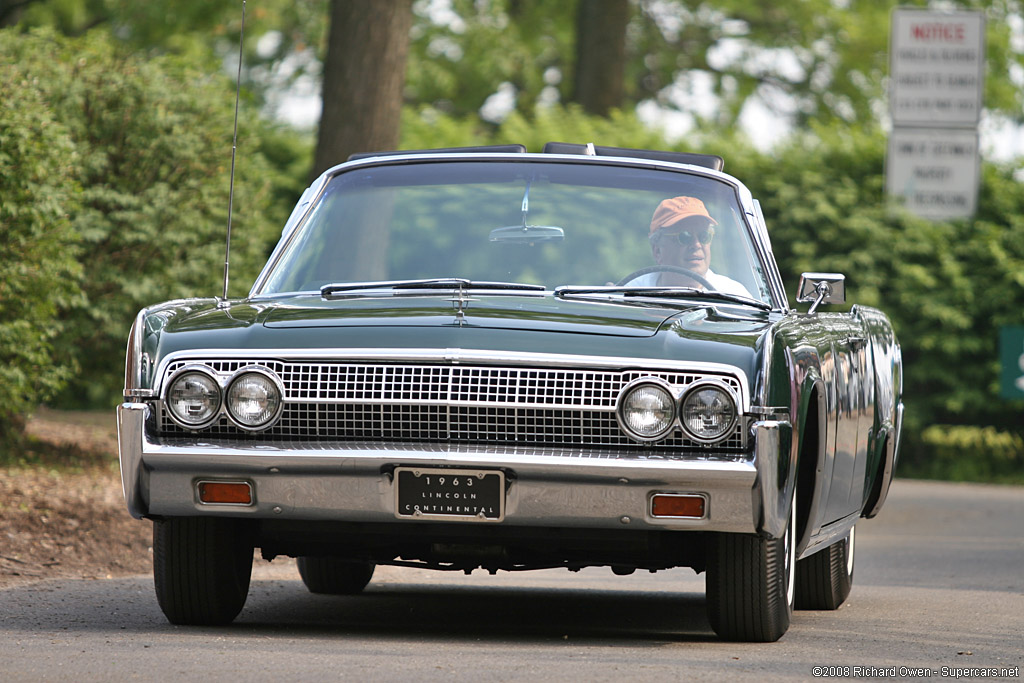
column 254, row 400
column 193, row 398
column 646, row 411
column 708, row 412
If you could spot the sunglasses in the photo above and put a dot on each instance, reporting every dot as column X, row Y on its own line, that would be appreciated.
column 685, row 237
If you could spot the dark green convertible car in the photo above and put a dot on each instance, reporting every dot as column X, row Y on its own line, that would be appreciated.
column 486, row 358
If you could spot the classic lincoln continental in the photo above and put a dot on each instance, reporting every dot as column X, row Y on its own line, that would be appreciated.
column 487, row 358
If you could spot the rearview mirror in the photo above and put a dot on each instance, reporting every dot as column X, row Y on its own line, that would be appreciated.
column 527, row 234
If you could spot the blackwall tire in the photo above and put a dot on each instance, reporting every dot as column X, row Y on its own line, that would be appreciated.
column 824, row 580
column 334, row 576
column 750, row 584
column 201, row 569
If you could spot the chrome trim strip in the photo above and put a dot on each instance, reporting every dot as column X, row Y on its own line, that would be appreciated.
column 133, row 360
column 443, row 403
column 830, row 533
column 456, row 356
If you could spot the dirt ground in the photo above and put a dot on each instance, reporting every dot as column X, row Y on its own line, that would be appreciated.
column 66, row 517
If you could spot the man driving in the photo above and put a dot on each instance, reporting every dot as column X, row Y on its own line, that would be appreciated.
column 681, row 233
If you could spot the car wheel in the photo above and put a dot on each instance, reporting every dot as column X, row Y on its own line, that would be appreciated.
column 750, row 584
column 334, row 576
column 824, row 579
column 201, row 569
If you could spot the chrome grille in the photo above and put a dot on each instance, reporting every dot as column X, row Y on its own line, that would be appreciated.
column 456, row 403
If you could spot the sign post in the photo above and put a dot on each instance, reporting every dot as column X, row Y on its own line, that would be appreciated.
column 936, row 78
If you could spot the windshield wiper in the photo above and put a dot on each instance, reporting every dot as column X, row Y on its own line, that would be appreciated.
column 427, row 283
column 663, row 293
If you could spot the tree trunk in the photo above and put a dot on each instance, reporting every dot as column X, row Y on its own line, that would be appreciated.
column 600, row 55
column 364, row 75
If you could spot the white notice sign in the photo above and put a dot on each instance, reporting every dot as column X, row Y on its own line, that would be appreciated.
column 934, row 171
column 936, row 67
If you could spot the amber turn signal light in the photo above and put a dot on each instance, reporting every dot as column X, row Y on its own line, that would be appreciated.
column 677, row 505
column 225, row 492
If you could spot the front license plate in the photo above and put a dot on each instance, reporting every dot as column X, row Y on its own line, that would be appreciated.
column 463, row 495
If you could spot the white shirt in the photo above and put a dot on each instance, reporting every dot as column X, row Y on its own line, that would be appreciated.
column 721, row 283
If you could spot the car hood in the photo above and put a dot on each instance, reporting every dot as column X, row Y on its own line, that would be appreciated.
column 646, row 329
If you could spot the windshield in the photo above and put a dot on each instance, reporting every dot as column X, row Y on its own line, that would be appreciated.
column 542, row 223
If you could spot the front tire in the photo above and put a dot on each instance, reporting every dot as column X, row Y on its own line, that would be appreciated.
column 334, row 576
column 201, row 569
column 750, row 584
column 824, row 580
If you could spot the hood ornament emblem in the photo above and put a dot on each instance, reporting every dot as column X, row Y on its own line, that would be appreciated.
column 460, row 302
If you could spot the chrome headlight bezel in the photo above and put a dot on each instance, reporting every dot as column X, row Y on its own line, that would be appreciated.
column 179, row 375
column 729, row 396
column 275, row 382
column 658, row 385
column 223, row 384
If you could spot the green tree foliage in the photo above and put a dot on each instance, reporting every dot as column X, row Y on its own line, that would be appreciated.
column 39, row 276
column 153, row 142
column 814, row 60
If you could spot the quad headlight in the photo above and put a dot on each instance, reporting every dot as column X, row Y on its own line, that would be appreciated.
column 707, row 411
column 254, row 398
column 196, row 397
column 193, row 397
column 649, row 409
column 646, row 409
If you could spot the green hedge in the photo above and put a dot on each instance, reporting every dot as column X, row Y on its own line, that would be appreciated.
column 39, row 275
column 151, row 141
column 964, row 453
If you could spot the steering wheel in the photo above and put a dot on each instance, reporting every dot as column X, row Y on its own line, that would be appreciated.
column 667, row 269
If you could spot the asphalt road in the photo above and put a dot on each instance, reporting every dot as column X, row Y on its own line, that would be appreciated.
column 939, row 582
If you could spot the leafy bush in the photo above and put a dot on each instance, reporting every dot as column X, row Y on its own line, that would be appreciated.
column 153, row 139
column 39, row 276
column 966, row 453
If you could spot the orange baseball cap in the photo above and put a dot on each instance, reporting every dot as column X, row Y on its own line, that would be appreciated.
column 673, row 210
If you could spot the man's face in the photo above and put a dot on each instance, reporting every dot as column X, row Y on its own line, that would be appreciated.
column 686, row 244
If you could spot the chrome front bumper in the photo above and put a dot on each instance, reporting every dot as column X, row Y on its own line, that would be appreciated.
column 352, row 482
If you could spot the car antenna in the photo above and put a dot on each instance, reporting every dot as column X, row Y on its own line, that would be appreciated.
column 223, row 303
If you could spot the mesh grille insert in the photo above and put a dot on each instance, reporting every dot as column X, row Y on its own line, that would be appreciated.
column 456, row 403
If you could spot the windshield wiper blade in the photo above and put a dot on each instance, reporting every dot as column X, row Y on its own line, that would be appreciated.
column 427, row 283
column 664, row 293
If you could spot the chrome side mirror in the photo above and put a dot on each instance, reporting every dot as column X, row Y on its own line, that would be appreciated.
column 821, row 288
